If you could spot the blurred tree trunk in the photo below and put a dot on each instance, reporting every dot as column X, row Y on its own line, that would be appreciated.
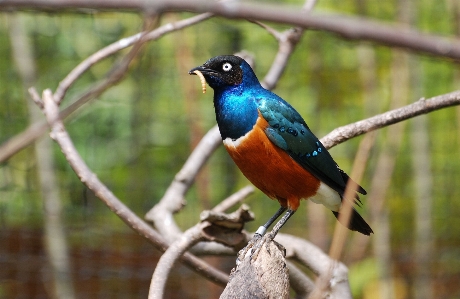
column 421, row 162
column 381, row 179
column 184, row 61
column 454, row 6
column 389, row 150
column 316, row 214
column 54, row 236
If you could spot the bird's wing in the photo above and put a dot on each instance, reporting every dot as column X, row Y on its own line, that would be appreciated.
column 288, row 130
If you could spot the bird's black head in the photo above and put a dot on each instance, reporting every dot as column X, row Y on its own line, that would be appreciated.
column 222, row 71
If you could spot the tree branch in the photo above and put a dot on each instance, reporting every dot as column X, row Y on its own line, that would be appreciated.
column 287, row 42
column 422, row 106
column 123, row 43
column 214, row 226
column 352, row 28
column 35, row 130
column 60, row 135
column 319, row 262
column 161, row 215
column 167, row 260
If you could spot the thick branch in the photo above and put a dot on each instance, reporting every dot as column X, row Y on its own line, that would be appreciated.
column 352, row 28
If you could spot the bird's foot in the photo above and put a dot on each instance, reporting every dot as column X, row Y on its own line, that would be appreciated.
column 254, row 245
column 249, row 248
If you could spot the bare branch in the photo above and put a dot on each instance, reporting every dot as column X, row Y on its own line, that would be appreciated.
column 167, row 260
column 275, row 33
column 120, row 45
column 162, row 213
column 60, row 135
column 287, row 42
column 35, row 130
column 319, row 262
column 214, row 226
column 422, row 106
column 353, row 28
column 234, row 199
column 357, row 173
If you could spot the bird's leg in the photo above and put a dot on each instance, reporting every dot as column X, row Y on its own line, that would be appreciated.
column 262, row 229
column 258, row 241
column 280, row 224
column 260, row 233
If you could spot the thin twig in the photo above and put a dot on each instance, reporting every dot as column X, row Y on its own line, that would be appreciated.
column 357, row 173
column 275, row 33
column 233, row 199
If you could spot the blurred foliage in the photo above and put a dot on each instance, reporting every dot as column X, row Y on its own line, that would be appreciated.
column 137, row 135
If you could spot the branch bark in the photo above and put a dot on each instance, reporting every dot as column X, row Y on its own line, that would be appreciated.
column 352, row 28
column 54, row 238
column 422, row 106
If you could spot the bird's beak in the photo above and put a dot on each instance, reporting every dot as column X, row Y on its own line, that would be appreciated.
column 204, row 70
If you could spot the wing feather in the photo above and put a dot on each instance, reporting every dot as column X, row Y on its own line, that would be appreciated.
column 289, row 131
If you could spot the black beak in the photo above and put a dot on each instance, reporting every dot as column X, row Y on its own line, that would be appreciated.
column 198, row 68
column 205, row 71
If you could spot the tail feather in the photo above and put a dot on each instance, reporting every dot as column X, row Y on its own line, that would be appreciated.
column 357, row 223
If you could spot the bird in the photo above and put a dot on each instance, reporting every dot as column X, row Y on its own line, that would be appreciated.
column 272, row 145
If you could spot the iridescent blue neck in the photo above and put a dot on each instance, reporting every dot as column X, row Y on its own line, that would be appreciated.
column 235, row 105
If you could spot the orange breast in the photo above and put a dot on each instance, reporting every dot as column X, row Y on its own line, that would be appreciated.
column 270, row 168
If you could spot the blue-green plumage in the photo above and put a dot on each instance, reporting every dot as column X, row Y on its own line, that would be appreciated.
column 239, row 102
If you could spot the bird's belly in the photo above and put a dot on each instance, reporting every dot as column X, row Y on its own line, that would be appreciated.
column 270, row 168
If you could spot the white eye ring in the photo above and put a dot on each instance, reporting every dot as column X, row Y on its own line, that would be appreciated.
column 226, row 67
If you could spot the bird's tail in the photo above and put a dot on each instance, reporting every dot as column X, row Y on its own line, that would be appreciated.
column 357, row 223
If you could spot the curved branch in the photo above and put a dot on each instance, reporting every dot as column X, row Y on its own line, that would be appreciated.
column 422, row 106
column 287, row 42
column 319, row 262
column 353, row 28
column 161, row 215
column 214, row 226
column 35, row 130
column 169, row 258
column 121, row 44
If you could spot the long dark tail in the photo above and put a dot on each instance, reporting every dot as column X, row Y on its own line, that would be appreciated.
column 357, row 223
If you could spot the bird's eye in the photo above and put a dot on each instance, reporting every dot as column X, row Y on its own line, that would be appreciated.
column 226, row 67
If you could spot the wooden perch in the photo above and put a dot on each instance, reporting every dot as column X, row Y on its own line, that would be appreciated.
column 260, row 273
